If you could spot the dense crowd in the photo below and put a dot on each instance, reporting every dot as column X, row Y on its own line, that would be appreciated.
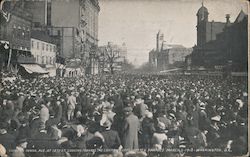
column 114, row 114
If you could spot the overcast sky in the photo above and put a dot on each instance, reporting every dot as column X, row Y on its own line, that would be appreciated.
column 136, row 22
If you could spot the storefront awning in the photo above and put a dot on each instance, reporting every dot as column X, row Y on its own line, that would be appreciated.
column 34, row 68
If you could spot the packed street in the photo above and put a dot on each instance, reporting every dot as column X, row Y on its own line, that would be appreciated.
column 125, row 112
column 123, row 78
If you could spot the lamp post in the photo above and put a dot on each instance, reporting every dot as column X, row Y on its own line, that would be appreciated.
column 5, row 45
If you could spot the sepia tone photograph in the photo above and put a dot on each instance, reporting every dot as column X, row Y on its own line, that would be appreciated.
column 123, row 78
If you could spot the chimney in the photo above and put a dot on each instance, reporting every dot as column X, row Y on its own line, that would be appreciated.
column 228, row 18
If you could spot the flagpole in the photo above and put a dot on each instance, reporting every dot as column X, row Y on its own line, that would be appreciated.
column 10, row 53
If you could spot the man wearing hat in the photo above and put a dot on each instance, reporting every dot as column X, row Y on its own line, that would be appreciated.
column 111, row 137
column 140, row 107
column 147, row 129
column 213, row 131
column 203, row 118
column 130, row 129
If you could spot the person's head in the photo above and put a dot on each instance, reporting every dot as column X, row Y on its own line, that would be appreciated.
column 127, row 111
column 107, row 124
column 22, row 142
column 161, row 127
column 58, row 103
column 149, row 114
column 80, row 129
column 42, row 127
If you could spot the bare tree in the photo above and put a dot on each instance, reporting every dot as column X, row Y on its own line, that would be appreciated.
column 111, row 54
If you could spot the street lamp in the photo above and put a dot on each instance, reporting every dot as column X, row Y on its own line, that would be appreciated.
column 6, row 46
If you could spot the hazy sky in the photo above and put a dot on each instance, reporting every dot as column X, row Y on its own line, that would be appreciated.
column 136, row 22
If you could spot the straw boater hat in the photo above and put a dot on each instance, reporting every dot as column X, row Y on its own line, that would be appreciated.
column 216, row 118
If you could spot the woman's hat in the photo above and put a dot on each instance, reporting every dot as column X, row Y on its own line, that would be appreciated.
column 161, row 126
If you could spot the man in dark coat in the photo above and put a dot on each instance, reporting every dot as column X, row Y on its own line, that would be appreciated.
column 148, row 129
column 111, row 137
column 58, row 115
column 42, row 140
column 6, row 139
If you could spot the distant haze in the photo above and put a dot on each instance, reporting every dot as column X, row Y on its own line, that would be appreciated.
column 136, row 22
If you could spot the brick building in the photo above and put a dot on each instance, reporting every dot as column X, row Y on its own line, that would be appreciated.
column 221, row 43
column 17, row 31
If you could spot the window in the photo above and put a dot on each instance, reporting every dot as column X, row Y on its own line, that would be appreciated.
column 42, row 46
column 47, row 47
column 32, row 44
column 50, row 48
column 54, row 48
column 42, row 59
column 37, row 46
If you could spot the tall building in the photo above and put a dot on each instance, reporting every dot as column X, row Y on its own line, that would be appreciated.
column 78, row 19
column 159, row 40
column 221, row 43
column 167, row 56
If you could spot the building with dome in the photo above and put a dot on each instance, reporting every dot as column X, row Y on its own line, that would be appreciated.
column 220, row 44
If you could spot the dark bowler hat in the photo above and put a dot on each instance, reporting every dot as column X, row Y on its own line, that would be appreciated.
column 21, row 140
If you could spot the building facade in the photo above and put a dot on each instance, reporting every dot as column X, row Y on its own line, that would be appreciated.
column 84, row 25
column 221, row 43
column 17, row 31
column 44, row 51
column 167, row 56
column 72, row 23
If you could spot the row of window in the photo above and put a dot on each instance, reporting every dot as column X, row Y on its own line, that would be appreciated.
column 48, row 47
column 21, row 28
column 45, row 59
column 20, row 34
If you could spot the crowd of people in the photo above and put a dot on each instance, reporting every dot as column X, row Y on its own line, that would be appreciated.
column 121, row 113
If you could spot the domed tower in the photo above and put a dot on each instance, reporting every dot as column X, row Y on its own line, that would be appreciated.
column 202, row 14
column 202, row 19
